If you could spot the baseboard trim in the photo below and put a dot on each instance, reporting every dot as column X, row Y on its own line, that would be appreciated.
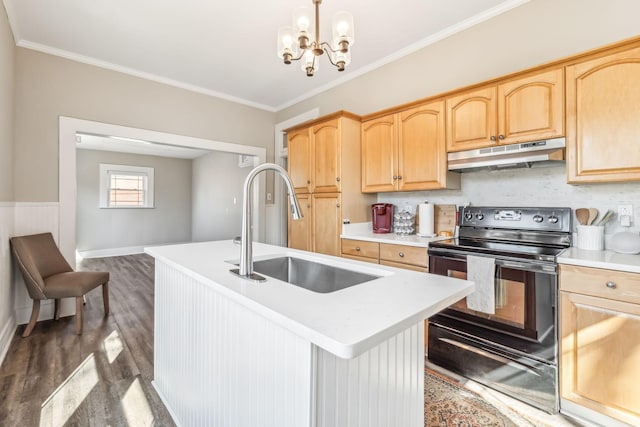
column 6, row 336
column 102, row 253
column 166, row 404
column 129, row 250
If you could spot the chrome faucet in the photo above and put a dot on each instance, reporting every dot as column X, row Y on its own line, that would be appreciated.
column 246, row 257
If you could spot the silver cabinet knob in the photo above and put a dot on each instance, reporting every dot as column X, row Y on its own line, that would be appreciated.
column 493, row 137
column 337, row 205
column 500, row 136
column 399, row 176
column 401, row 254
column 395, row 177
column 358, row 248
column 337, row 179
column 611, row 285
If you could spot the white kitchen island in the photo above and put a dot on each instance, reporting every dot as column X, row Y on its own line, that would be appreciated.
column 231, row 352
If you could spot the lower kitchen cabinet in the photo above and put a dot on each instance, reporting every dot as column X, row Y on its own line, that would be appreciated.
column 319, row 228
column 326, row 221
column 600, row 341
column 403, row 256
column 361, row 250
column 299, row 236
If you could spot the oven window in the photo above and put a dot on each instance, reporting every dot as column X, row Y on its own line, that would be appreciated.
column 510, row 307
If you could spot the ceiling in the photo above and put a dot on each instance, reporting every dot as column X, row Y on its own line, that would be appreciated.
column 228, row 48
column 136, row 146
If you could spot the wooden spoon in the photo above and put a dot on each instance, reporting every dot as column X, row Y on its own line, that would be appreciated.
column 593, row 214
column 582, row 215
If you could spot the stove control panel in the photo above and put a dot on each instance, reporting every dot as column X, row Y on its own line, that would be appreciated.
column 526, row 218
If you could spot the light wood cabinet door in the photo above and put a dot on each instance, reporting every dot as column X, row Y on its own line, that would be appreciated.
column 603, row 111
column 471, row 120
column 531, row 108
column 299, row 159
column 379, row 147
column 422, row 154
column 326, row 157
column 600, row 355
column 299, row 235
column 327, row 225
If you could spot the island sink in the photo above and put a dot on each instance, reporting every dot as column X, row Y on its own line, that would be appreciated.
column 311, row 275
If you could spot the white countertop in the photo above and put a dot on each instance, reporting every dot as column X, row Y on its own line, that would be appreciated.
column 347, row 322
column 363, row 231
column 609, row 260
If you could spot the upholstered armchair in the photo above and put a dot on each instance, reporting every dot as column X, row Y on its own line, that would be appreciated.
column 48, row 275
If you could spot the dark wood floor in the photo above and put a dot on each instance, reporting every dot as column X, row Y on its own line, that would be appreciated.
column 103, row 377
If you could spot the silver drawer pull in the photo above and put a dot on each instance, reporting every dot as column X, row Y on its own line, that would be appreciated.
column 401, row 254
column 358, row 248
column 611, row 285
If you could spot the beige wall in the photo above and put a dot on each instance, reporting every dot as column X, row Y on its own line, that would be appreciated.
column 535, row 33
column 7, row 54
column 168, row 222
column 48, row 87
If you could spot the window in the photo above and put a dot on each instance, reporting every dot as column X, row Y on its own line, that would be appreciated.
column 124, row 186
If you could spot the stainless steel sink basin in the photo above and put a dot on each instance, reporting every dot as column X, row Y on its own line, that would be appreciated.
column 310, row 275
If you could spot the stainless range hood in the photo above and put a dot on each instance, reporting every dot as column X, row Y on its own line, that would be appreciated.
column 508, row 156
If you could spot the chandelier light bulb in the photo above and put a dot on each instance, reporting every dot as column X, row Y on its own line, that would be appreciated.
column 302, row 19
column 286, row 47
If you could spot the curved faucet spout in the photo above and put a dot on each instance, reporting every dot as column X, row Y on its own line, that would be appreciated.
column 245, row 269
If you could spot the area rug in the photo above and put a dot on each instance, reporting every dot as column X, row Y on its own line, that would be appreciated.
column 447, row 404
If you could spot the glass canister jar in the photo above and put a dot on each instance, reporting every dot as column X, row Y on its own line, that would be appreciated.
column 404, row 223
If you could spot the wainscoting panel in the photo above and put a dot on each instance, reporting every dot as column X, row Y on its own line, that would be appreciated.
column 34, row 218
column 7, row 317
column 382, row 387
column 216, row 363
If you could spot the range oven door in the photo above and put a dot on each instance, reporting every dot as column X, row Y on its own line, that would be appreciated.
column 523, row 378
column 525, row 294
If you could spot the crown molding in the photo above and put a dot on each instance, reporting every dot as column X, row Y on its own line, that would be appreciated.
column 141, row 74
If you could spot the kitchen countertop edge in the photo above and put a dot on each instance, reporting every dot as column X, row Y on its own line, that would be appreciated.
column 606, row 259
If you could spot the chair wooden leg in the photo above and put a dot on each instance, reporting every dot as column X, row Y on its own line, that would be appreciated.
column 79, row 315
column 105, row 298
column 56, row 308
column 34, row 318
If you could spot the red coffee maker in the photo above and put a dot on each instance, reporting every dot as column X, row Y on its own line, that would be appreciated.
column 382, row 217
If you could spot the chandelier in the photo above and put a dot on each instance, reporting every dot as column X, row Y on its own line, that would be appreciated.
column 301, row 43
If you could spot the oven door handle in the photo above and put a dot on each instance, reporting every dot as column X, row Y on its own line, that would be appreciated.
column 489, row 355
column 529, row 265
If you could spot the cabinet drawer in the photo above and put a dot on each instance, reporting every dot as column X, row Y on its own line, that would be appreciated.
column 361, row 258
column 361, row 248
column 405, row 266
column 404, row 254
column 611, row 284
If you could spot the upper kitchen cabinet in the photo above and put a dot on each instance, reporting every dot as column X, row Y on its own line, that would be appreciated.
column 603, row 118
column 405, row 151
column 522, row 109
column 317, row 152
column 325, row 166
column 299, row 160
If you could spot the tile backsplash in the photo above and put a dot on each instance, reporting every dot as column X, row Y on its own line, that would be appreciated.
column 538, row 186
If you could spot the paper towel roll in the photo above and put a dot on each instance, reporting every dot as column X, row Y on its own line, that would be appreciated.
column 425, row 213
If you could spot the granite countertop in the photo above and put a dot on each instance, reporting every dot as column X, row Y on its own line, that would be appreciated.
column 607, row 259
column 347, row 322
column 363, row 231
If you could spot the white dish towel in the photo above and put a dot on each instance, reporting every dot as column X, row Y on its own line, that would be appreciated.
column 482, row 270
